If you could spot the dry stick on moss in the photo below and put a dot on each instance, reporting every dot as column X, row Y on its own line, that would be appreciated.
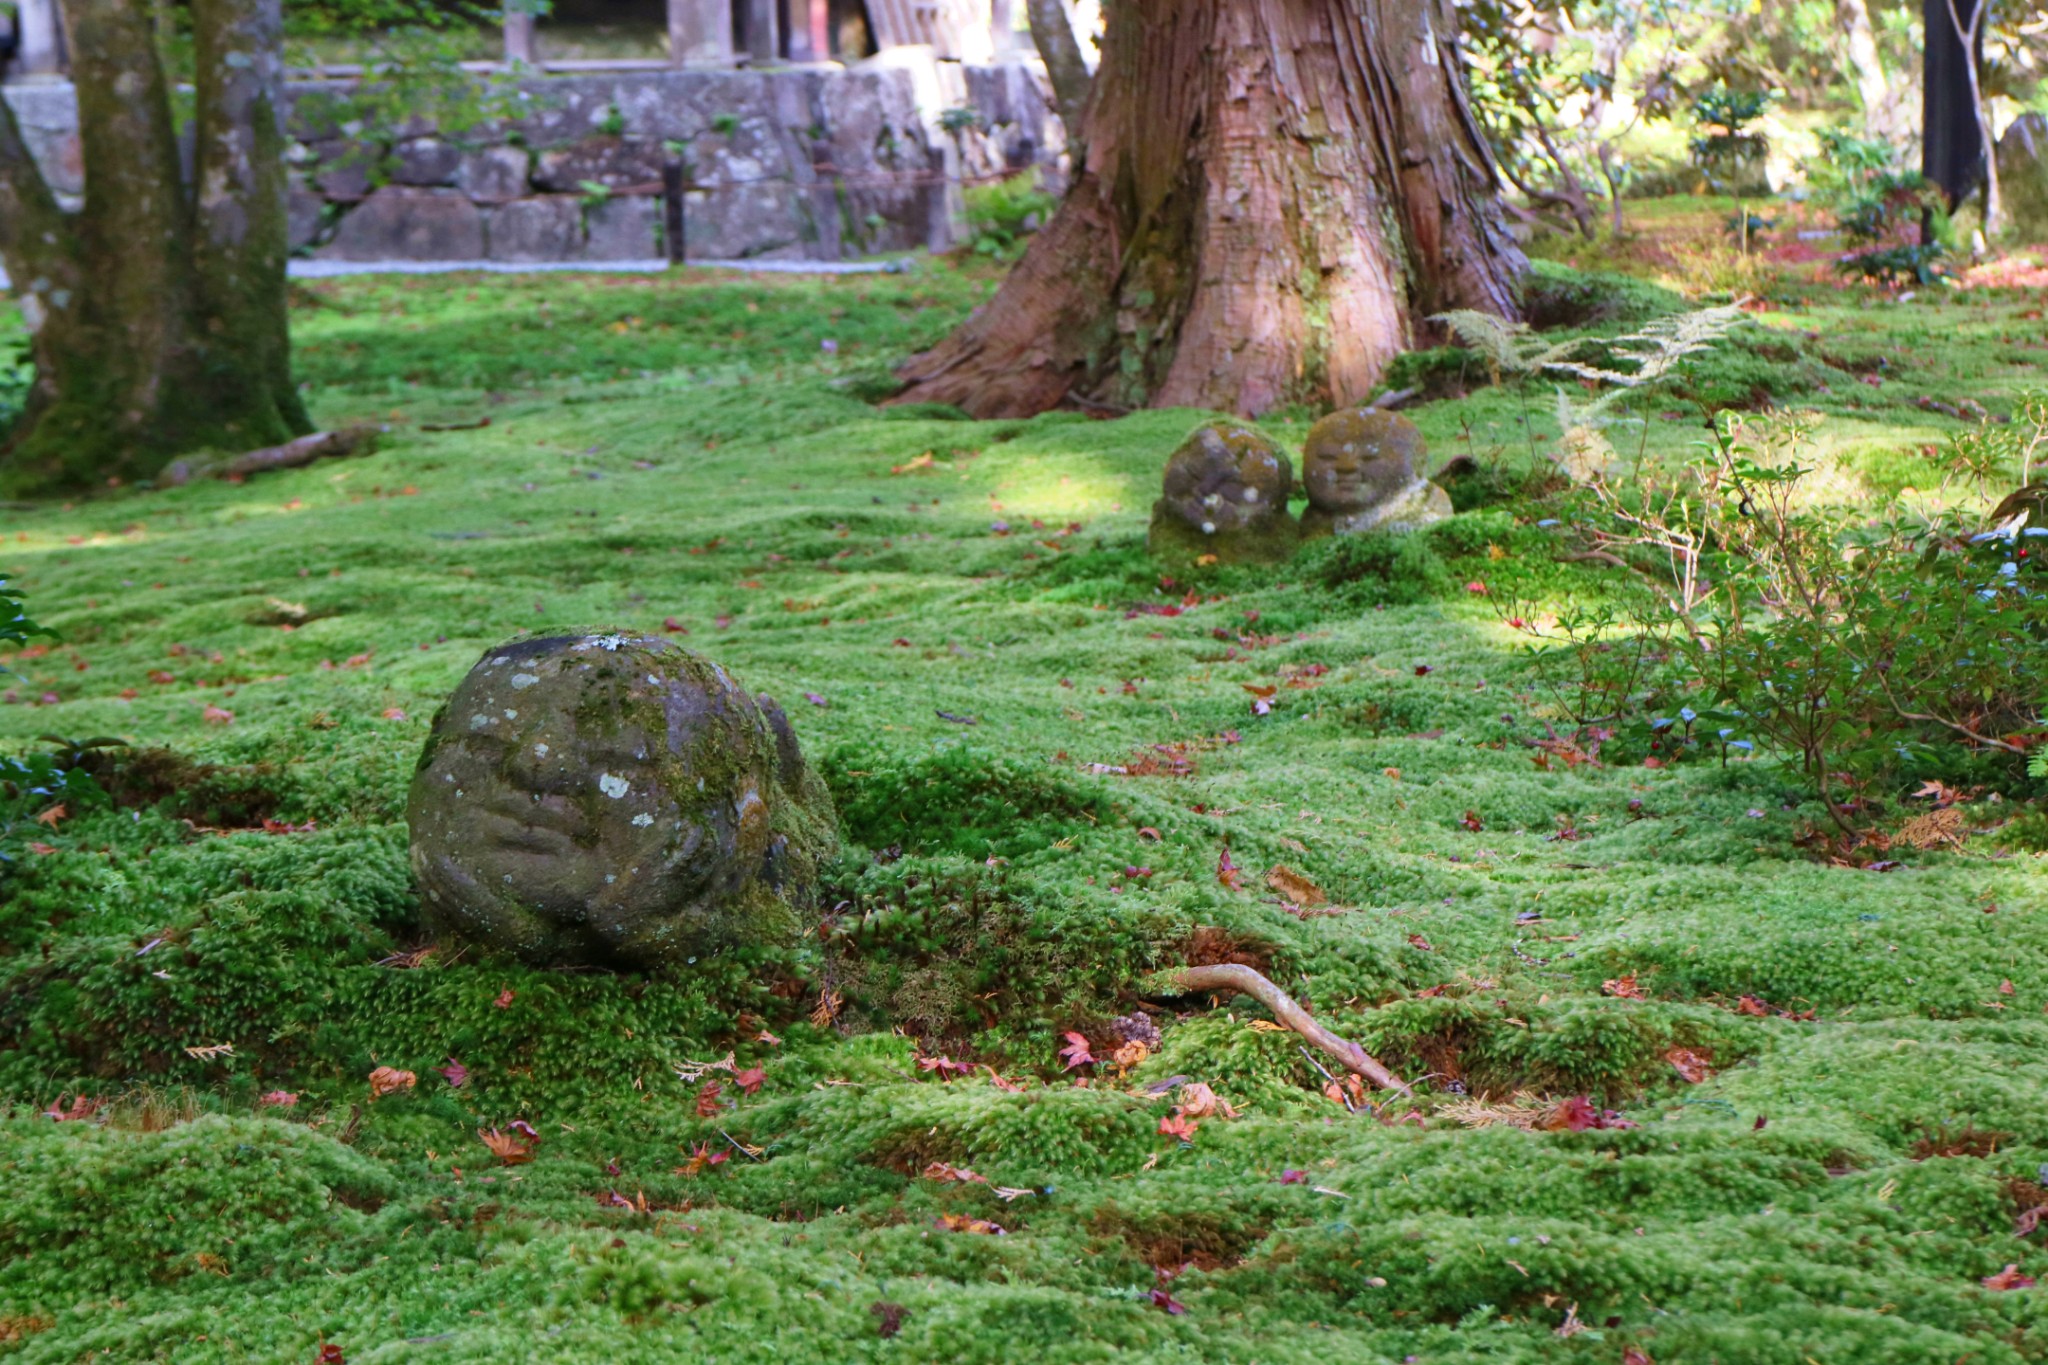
column 1243, row 980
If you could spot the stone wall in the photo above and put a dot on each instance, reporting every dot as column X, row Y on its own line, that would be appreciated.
column 814, row 163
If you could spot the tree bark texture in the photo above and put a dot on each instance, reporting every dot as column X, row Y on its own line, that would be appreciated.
column 1952, row 142
column 1873, row 90
column 159, row 307
column 1274, row 193
column 1052, row 33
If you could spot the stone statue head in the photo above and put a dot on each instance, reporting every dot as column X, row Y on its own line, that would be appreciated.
column 613, row 800
column 1356, row 460
column 1227, row 477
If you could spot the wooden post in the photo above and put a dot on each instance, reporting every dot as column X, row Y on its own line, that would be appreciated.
column 41, row 52
column 699, row 31
column 821, row 30
column 519, row 26
column 673, row 228
column 764, row 36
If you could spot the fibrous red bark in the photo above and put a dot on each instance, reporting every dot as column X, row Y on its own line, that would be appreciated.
column 1275, row 192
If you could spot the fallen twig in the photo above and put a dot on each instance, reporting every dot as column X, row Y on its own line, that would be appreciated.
column 357, row 440
column 1242, row 980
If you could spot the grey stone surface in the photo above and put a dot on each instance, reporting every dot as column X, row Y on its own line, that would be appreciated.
column 791, row 163
column 48, row 117
column 547, row 227
column 425, row 161
column 2023, row 177
column 492, row 175
column 1359, row 468
column 622, row 229
column 1224, row 499
column 342, row 167
column 614, row 162
column 614, row 801
column 400, row 223
column 305, row 215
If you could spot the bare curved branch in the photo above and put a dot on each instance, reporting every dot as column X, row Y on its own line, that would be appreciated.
column 1243, row 980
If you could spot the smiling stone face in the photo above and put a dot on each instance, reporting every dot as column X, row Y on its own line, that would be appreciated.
column 616, row 801
column 1360, row 471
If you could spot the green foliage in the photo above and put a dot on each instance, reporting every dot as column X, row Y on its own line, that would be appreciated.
column 744, row 493
column 1002, row 213
column 1376, row 570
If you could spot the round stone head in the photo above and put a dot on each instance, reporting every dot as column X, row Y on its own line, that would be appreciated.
column 1226, row 477
column 613, row 800
column 1355, row 460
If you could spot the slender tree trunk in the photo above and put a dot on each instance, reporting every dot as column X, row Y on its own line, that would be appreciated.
column 1052, row 32
column 159, row 307
column 1952, row 140
column 1873, row 89
column 1274, row 193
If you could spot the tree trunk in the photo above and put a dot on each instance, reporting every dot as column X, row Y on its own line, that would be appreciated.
column 158, row 309
column 1274, row 193
column 1052, row 33
column 1873, row 89
column 1952, row 143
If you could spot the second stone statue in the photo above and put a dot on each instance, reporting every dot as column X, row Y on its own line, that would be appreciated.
column 1361, row 471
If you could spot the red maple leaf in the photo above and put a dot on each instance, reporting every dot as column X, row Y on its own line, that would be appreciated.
column 504, row 1000
column 749, row 1081
column 1174, row 1125
column 1471, row 821
column 708, row 1103
column 1076, row 1052
column 945, row 1066
column 1624, row 987
column 1227, row 872
column 2009, row 1278
column 455, row 1073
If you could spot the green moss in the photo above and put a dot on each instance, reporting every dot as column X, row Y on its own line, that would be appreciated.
column 1472, row 958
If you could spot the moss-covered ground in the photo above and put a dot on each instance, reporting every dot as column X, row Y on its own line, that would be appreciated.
column 962, row 621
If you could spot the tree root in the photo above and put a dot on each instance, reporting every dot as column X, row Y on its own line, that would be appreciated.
column 303, row 451
column 1242, row 980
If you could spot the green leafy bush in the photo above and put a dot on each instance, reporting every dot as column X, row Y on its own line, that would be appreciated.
column 1001, row 214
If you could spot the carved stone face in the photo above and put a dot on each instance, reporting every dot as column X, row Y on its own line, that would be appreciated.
column 1225, row 478
column 612, row 800
column 1352, row 461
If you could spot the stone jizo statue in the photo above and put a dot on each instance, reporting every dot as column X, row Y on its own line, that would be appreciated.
column 1224, row 495
column 1360, row 470
column 614, row 800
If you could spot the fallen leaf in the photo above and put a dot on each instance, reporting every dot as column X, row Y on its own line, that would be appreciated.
column 513, row 1149
column 277, row 1099
column 2009, row 1278
column 939, row 1170
column 945, row 1066
column 1623, row 987
column 504, row 1000
column 1294, row 888
column 1634, row 1355
column 1418, row 941
column 960, row 1222
column 81, row 1108
column 393, row 713
column 1177, row 1125
column 387, row 1080
column 1076, row 1052
column 708, row 1101
column 1753, row 1007
column 217, row 715
column 1227, row 873
column 749, row 1081
column 35, row 846
column 330, row 1354
column 51, row 816
column 1198, row 1101
column 1689, row 1064
column 455, row 1073
column 1471, row 821
column 1291, row 1176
